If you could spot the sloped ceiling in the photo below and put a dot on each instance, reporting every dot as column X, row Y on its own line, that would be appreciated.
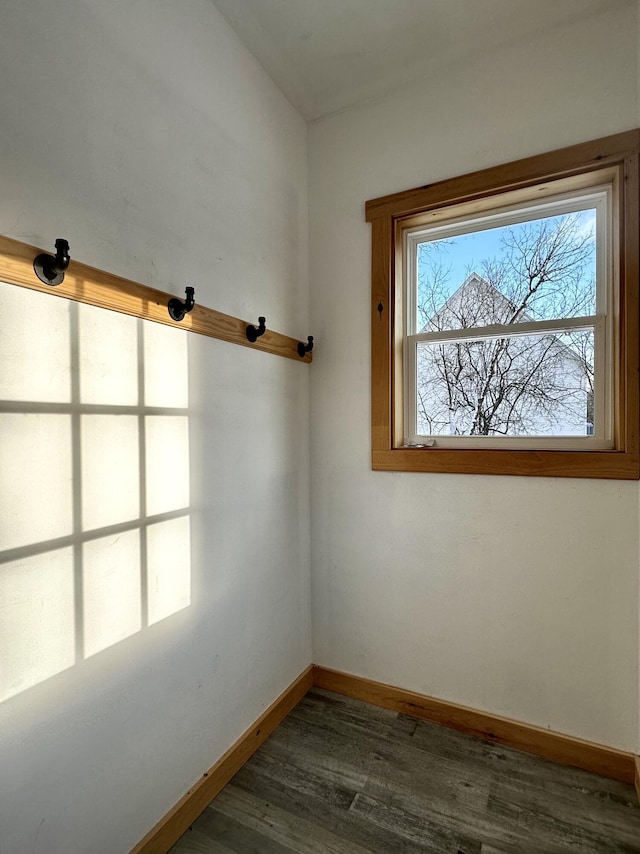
column 327, row 55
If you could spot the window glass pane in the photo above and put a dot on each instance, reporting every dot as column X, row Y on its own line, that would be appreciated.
column 539, row 270
column 529, row 385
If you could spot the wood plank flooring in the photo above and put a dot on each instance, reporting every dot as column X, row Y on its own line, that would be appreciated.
column 344, row 777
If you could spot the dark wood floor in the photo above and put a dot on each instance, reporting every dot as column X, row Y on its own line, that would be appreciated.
column 344, row 777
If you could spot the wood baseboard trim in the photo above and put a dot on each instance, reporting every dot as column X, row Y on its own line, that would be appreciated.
column 171, row 827
column 597, row 758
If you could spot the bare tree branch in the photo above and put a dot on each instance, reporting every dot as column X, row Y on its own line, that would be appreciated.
column 516, row 385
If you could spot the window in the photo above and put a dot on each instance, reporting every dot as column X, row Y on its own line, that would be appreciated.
column 505, row 319
column 507, row 327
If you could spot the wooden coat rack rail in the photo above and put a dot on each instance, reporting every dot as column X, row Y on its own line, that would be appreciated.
column 95, row 287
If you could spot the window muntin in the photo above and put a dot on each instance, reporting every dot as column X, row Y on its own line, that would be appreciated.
column 521, row 353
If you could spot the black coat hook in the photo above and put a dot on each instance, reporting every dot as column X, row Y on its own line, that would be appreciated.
column 303, row 349
column 178, row 308
column 253, row 332
column 50, row 269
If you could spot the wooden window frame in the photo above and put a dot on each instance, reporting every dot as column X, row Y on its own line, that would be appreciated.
column 481, row 190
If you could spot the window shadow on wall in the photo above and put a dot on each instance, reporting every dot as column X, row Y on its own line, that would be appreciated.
column 94, row 482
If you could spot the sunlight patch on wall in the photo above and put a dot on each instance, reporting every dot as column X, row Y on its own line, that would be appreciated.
column 36, row 620
column 108, row 356
column 169, row 573
column 40, row 373
column 94, row 482
column 36, row 501
column 111, row 590
column 166, row 367
column 110, row 472
column 167, row 438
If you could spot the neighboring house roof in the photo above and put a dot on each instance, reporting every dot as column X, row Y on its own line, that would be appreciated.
column 498, row 307
column 492, row 306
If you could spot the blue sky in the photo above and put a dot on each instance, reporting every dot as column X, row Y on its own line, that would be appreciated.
column 465, row 254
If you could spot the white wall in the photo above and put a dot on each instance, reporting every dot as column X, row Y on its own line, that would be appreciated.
column 514, row 595
column 145, row 134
